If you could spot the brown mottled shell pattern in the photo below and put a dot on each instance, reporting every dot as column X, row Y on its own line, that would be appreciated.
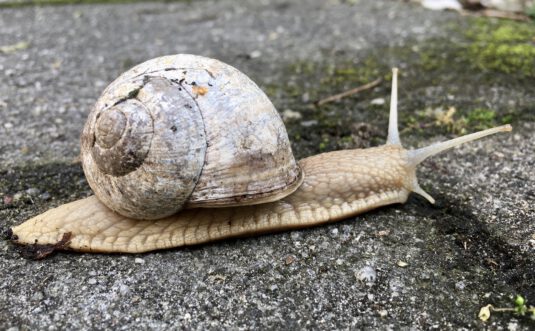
column 185, row 131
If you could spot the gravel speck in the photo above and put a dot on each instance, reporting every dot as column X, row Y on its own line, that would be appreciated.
column 32, row 191
column 17, row 196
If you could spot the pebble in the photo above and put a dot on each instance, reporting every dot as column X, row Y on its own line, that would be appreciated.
column 442, row 4
column 402, row 264
column 139, row 260
column 17, row 196
column 289, row 259
column 296, row 235
column 8, row 199
column 289, row 114
column 334, row 233
column 32, row 191
column 366, row 274
column 378, row 102
column 255, row 54
column 512, row 326
column 307, row 124
column 123, row 289
column 38, row 296
column 45, row 196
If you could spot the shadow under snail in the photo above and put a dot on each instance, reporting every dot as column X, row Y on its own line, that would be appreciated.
column 183, row 150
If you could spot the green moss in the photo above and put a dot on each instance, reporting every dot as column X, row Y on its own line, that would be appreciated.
column 490, row 46
column 352, row 73
column 323, row 146
column 303, row 67
column 452, row 121
column 433, row 56
column 503, row 46
column 437, row 75
column 481, row 118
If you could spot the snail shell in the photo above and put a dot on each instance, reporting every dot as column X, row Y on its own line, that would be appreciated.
column 185, row 131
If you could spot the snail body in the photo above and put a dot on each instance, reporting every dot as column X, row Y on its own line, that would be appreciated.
column 318, row 189
column 331, row 191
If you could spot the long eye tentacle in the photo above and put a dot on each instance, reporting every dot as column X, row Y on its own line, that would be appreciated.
column 417, row 156
column 393, row 132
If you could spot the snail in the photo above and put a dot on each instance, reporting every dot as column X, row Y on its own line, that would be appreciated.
column 184, row 150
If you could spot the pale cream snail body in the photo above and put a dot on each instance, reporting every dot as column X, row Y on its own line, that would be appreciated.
column 184, row 150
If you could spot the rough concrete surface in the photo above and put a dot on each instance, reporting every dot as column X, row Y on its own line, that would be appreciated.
column 414, row 266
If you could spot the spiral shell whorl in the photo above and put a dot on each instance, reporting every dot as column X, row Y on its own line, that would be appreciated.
column 150, row 171
column 123, row 136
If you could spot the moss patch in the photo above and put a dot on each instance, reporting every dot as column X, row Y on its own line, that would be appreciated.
column 450, row 85
column 481, row 118
column 503, row 46
column 450, row 120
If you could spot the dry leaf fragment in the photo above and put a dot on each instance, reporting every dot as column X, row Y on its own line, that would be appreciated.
column 402, row 264
column 7, row 49
column 484, row 313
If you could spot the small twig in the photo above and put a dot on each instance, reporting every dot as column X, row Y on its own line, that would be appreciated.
column 497, row 14
column 355, row 90
column 503, row 309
